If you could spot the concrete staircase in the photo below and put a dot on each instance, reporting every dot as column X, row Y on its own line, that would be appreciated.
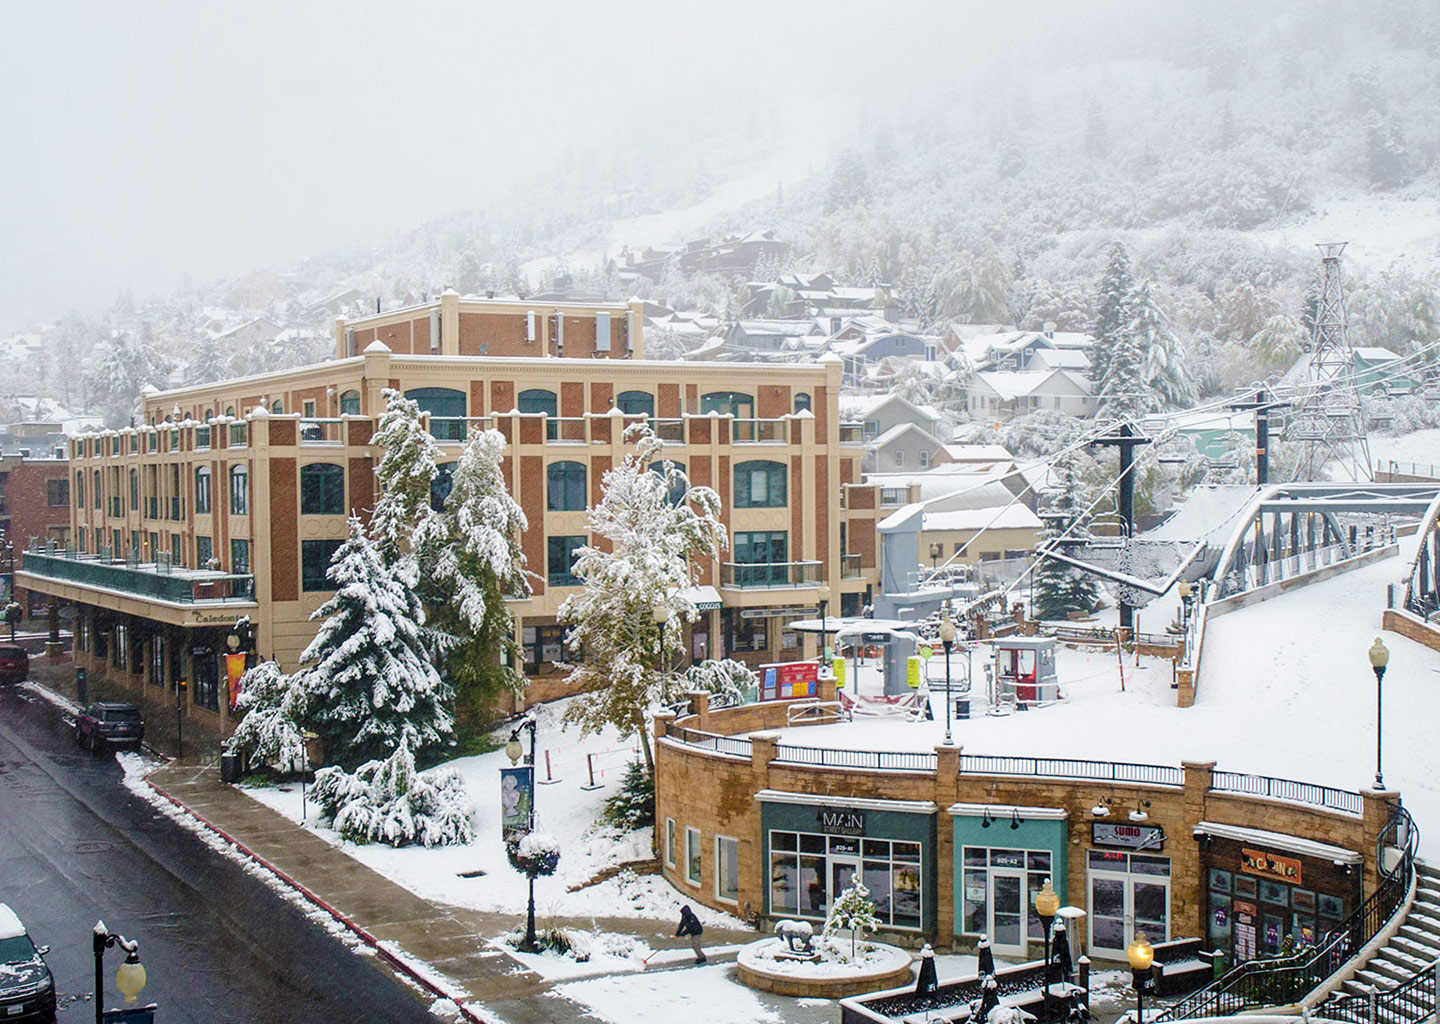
column 1415, row 948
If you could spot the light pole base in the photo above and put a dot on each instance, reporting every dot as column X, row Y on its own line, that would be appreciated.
column 54, row 650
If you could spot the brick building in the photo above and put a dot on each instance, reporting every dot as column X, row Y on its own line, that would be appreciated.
column 231, row 498
column 34, row 509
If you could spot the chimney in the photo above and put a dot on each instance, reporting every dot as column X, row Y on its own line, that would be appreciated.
column 892, row 313
column 1050, row 328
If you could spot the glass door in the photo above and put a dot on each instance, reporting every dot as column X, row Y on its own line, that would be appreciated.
column 1107, row 914
column 843, row 872
column 1150, row 903
column 1007, row 912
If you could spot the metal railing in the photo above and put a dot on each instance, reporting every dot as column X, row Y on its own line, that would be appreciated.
column 1409, row 1002
column 1287, row 789
column 1069, row 768
column 322, row 431
column 142, row 579
column 1283, row 980
column 824, row 757
column 709, row 741
column 852, row 433
column 763, row 575
column 755, row 431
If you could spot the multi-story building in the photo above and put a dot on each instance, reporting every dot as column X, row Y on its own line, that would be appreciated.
column 34, row 507
column 231, row 498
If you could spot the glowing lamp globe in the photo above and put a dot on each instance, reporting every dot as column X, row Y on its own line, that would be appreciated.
column 1047, row 901
column 130, row 978
column 1140, row 953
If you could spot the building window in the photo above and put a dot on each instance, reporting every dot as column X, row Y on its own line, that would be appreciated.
column 539, row 401
column 802, row 402
column 204, row 551
column 924, row 460
column 79, row 491
column 121, row 645
column 681, row 485
column 57, row 492
column 175, row 557
column 322, row 490
column 315, row 556
column 350, row 403
column 240, row 557
column 560, row 561
column 95, row 484
column 239, row 491
column 277, row 407
column 801, row 873
column 565, row 487
column 442, row 485
column 899, row 458
column 670, row 842
column 202, row 491
column 762, row 558
column 732, row 403
column 80, row 542
column 542, row 647
column 309, row 410
column 727, row 869
column 759, row 485
column 692, row 855
column 636, row 403
column 870, row 430
column 446, row 407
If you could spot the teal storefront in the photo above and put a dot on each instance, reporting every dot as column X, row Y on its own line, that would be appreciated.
column 816, row 846
column 1003, row 855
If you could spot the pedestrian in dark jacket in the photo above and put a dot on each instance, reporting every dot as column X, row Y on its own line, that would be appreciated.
column 690, row 925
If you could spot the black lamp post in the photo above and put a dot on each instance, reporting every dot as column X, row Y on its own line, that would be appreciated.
column 1141, row 955
column 1047, row 902
column 513, row 751
column 947, row 639
column 935, row 550
column 1379, row 658
column 823, row 594
column 129, row 979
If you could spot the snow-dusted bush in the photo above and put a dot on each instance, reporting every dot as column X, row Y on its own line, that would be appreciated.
column 633, row 806
column 390, row 802
column 724, row 676
column 853, row 911
column 270, row 733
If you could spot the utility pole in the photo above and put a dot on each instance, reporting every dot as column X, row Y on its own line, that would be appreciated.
column 1262, row 404
column 1125, row 439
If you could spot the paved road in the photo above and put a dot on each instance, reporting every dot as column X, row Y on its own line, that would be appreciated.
column 76, row 846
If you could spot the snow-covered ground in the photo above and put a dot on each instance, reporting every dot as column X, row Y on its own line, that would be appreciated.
column 1421, row 447
column 1382, row 231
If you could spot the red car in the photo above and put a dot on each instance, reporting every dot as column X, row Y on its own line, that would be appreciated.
column 104, row 724
column 14, row 664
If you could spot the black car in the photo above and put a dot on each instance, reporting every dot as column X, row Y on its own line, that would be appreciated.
column 106, row 724
column 27, row 989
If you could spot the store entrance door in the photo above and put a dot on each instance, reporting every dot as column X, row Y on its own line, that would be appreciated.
column 1123, row 904
column 843, row 872
column 1007, row 912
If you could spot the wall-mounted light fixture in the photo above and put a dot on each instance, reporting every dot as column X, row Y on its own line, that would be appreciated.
column 1139, row 813
column 1102, row 809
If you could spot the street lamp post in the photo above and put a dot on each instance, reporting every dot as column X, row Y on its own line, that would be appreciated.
column 1379, row 658
column 513, row 751
column 1047, row 901
column 1184, row 589
column 947, row 639
column 129, row 979
column 1140, row 954
column 823, row 594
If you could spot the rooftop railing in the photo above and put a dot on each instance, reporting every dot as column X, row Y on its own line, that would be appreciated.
column 143, row 579
column 769, row 575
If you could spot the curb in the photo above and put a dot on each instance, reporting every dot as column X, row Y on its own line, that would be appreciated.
column 359, row 932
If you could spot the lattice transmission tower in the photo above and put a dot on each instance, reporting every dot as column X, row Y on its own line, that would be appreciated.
column 1326, row 420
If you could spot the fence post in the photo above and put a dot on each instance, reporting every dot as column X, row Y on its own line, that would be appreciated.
column 590, row 764
column 549, row 779
column 1435, row 988
column 1371, row 1000
column 1084, row 965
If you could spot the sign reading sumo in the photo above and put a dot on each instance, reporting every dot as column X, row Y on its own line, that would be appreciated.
column 1129, row 837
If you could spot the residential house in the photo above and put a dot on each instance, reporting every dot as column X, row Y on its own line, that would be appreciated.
column 996, row 396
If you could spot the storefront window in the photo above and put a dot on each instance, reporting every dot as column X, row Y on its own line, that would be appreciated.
column 727, row 869
column 807, row 871
column 670, row 842
column 157, row 661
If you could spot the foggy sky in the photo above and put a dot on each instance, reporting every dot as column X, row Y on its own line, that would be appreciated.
column 151, row 140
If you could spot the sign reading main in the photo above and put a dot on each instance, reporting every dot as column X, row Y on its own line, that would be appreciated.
column 842, row 823
column 1129, row 837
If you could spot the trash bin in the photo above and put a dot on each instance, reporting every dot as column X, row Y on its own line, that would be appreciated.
column 962, row 707
column 229, row 767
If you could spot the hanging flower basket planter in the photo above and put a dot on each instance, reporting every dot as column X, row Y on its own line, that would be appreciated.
column 537, row 854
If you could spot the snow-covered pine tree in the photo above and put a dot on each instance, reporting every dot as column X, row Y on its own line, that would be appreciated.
column 388, row 801
column 1123, row 393
column 657, row 524
column 369, row 681
column 1112, row 312
column 471, row 560
column 1060, row 589
column 270, row 731
column 404, row 476
column 1166, row 374
column 852, row 911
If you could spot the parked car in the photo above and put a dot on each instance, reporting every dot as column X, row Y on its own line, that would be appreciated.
column 14, row 664
column 106, row 724
column 27, row 989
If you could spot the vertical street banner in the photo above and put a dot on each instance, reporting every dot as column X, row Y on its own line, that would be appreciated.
column 234, row 669
column 517, row 795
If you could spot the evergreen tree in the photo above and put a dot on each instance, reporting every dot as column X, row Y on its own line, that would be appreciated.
column 1112, row 311
column 369, row 681
column 1123, row 394
column 405, row 475
column 471, row 561
column 654, row 525
column 852, row 911
column 270, row 731
column 1060, row 589
column 1166, row 374
column 634, row 805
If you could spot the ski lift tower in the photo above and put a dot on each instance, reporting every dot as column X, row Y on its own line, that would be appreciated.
column 1327, row 420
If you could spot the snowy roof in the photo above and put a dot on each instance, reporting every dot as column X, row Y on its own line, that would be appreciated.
column 1375, row 354
column 789, row 328
column 1014, row 517
column 1011, row 384
column 1065, row 359
column 978, row 452
column 859, row 407
column 896, row 431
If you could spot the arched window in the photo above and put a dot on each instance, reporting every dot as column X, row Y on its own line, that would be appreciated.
column 230, row 411
column 446, row 407
column 760, row 485
column 802, row 401
column 442, row 485
column 239, row 491
column 636, row 403
column 733, row 403
column 679, row 485
column 202, row 491
column 277, row 407
column 322, row 490
column 538, row 400
column 565, row 487
column 350, row 403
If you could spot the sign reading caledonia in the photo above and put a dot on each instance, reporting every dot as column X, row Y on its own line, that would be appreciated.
column 842, row 823
column 1130, row 837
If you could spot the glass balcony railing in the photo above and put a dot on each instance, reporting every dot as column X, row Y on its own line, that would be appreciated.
column 852, row 433
column 321, row 431
column 850, row 568
column 765, row 575
column 143, row 579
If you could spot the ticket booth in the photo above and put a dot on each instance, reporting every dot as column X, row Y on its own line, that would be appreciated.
column 1025, row 670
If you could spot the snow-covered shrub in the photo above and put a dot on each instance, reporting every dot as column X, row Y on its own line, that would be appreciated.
column 270, row 731
column 390, row 802
column 634, row 805
column 853, row 911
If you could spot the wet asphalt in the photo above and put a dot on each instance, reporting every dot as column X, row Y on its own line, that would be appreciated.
column 76, row 846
